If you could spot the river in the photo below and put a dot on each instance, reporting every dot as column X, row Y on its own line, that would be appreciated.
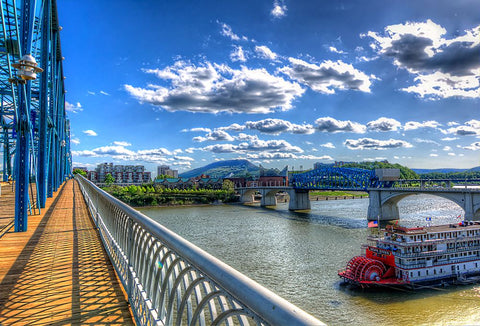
column 297, row 255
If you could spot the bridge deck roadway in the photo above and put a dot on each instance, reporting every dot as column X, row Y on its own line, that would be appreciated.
column 57, row 272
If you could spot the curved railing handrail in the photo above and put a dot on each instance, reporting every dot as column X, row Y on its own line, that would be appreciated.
column 266, row 306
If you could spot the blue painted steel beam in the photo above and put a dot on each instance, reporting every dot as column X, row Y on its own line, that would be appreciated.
column 23, row 124
column 42, row 128
column 33, row 122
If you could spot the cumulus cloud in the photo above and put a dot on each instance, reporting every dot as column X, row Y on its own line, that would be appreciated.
column 265, row 53
column 74, row 108
column 278, row 126
column 233, row 127
column 122, row 143
column 335, row 50
column 237, row 54
column 253, row 144
column 412, row 125
column 328, row 124
column 433, row 155
column 75, row 141
column 384, row 124
column 328, row 145
column 90, row 132
column 279, row 9
column 369, row 143
column 469, row 128
column 442, row 67
column 473, row 147
column 329, row 76
column 216, row 135
column 212, row 88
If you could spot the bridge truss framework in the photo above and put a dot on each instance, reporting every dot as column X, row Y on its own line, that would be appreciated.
column 34, row 129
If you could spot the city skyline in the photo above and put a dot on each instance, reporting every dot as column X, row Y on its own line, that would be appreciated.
column 275, row 82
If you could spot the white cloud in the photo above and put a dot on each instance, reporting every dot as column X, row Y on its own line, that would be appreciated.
column 74, row 108
column 237, row 54
column 104, row 93
column 328, row 145
column 216, row 135
column 278, row 126
column 279, row 9
column 328, row 124
column 212, row 88
column 449, row 138
column 426, row 141
column 75, row 141
column 200, row 129
column 447, row 148
column 329, row 76
column 233, row 127
column 451, row 154
column 384, row 124
column 122, row 143
column 473, row 147
column 227, row 31
column 335, row 50
column 90, row 132
column 433, row 155
column 265, row 53
column 421, row 49
column 412, row 125
column 469, row 128
column 369, row 143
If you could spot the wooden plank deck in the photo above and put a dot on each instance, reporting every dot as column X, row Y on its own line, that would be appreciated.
column 57, row 272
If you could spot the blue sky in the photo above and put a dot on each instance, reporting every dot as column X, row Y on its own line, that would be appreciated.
column 186, row 83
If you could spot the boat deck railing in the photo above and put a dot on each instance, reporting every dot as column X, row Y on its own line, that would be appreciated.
column 169, row 280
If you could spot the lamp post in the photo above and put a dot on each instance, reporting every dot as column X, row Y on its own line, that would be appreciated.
column 27, row 70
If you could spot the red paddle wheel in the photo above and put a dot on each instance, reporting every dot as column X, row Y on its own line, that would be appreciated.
column 361, row 268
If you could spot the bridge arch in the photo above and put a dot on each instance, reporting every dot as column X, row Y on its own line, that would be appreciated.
column 383, row 204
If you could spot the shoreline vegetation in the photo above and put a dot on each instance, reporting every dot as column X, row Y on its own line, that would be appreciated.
column 155, row 196
column 152, row 196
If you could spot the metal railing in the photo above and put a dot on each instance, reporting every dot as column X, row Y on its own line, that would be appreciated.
column 170, row 281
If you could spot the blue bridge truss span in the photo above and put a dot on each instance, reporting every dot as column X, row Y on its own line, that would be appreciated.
column 34, row 129
column 335, row 178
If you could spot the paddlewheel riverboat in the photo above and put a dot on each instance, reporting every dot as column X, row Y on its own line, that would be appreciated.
column 403, row 256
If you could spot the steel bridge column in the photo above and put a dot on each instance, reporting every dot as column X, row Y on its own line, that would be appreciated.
column 23, row 125
column 42, row 143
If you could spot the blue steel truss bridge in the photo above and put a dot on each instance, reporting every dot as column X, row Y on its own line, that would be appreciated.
column 34, row 129
column 338, row 178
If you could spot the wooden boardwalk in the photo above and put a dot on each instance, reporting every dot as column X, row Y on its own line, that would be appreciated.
column 57, row 273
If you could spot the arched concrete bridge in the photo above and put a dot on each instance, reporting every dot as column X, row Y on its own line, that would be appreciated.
column 383, row 202
column 298, row 198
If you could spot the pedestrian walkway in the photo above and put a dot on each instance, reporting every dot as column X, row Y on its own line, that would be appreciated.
column 57, row 272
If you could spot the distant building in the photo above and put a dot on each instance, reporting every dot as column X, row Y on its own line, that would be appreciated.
column 165, row 170
column 123, row 174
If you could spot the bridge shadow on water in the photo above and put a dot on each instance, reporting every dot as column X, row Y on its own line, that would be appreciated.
column 309, row 216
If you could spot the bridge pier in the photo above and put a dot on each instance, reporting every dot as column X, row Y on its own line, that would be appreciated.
column 299, row 200
column 378, row 211
column 268, row 198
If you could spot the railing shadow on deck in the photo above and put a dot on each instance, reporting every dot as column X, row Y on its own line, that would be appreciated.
column 61, row 277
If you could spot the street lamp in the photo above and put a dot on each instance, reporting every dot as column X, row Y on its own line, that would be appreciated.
column 27, row 68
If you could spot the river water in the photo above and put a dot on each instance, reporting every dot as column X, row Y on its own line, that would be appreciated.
column 297, row 255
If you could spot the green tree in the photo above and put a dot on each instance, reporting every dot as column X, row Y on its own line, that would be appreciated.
column 228, row 185
column 109, row 179
column 81, row 172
